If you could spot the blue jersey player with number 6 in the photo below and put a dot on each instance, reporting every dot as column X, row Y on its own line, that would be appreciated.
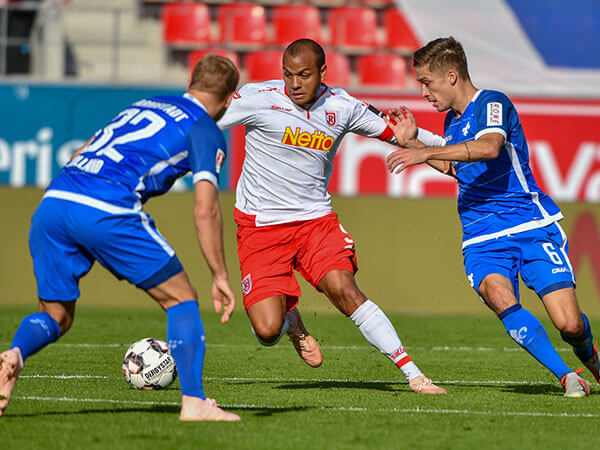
column 92, row 211
column 510, row 226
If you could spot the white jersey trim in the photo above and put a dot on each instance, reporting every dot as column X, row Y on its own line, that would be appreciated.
column 491, row 130
column 206, row 175
column 531, row 225
column 91, row 202
column 154, row 234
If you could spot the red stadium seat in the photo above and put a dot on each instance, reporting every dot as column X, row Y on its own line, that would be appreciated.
column 264, row 65
column 338, row 70
column 291, row 22
column 194, row 56
column 382, row 70
column 185, row 23
column 377, row 3
column 398, row 33
column 243, row 25
column 353, row 28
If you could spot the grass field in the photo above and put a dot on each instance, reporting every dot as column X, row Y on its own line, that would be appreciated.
column 72, row 395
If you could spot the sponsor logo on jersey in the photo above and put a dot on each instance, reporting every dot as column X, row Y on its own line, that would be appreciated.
column 318, row 140
column 268, row 89
column 330, row 118
column 465, row 130
column 559, row 270
column 247, row 284
column 219, row 160
column 494, row 113
column 280, row 108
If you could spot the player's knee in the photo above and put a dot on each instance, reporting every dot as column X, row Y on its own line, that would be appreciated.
column 347, row 298
column 267, row 332
column 571, row 327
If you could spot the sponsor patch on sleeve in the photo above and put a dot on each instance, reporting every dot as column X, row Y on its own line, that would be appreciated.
column 219, row 159
column 494, row 113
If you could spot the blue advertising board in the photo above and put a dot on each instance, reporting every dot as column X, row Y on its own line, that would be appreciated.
column 42, row 125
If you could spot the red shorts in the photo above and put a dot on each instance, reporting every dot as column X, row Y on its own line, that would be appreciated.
column 268, row 255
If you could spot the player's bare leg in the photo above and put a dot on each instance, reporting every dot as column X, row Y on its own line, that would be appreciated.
column 341, row 289
column 271, row 320
column 195, row 409
column 11, row 364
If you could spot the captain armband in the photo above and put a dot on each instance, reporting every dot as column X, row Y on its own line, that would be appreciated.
column 430, row 139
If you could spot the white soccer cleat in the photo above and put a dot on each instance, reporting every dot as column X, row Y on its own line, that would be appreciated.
column 307, row 346
column 11, row 364
column 423, row 385
column 574, row 385
column 194, row 409
column 593, row 364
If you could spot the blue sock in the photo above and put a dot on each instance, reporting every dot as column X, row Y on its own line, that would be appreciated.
column 185, row 334
column 529, row 333
column 34, row 333
column 583, row 345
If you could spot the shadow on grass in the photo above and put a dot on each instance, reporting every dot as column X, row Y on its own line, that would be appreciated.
column 337, row 384
column 526, row 389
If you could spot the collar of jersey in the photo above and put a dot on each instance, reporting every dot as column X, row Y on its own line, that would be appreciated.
column 195, row 100
column 324, row 89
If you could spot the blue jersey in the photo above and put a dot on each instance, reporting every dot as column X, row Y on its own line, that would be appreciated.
column 499, row 196
column 141, row 153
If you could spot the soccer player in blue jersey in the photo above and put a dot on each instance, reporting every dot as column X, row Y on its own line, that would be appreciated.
column 510, row 226
column 92, row 211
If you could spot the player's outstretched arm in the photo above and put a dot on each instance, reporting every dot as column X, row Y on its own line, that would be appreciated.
column 209, row 228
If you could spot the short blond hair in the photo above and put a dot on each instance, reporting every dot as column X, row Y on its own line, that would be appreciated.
column 215, row 74
column 442, row 55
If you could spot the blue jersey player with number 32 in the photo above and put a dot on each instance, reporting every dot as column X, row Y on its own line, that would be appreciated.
column 510, row 226
column 92, row 211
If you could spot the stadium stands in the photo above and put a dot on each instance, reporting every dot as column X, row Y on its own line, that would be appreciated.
column 398, row 33
column 338, row 70
column 195, row 55
column 353, row 28
column 242, row 25
column 186, row 23
column 263, row 65
column 291, row 22
column 382, row 70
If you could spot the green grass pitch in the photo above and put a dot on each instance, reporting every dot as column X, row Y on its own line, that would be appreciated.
column 72, row 394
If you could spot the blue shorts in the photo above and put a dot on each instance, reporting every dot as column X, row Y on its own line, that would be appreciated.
column 539, row 255
column 67, row 237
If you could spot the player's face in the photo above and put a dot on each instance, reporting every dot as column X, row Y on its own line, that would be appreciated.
column 302, row 77
column 436, row 87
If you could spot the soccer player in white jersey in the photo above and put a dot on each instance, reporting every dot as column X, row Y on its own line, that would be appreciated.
column 510, row 226
column 92, row 211
column 283, row 211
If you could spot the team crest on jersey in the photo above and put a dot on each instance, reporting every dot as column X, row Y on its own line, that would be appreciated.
column 219, row 160
column 318, row 140
column 236, row 95
column 247, row 284
column 330, row 118
column 494, row 113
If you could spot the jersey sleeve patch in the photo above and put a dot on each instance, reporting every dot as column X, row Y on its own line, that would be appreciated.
column 494, row 114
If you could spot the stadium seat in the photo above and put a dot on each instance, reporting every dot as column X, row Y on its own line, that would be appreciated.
column 242, row 25
column 338, row 70
column 264, row 65
column 377, row 3
column 194, row 56
column 353, row 28
column 291, row 22
column 398, row 33
column 185, row 23
column 382, row 70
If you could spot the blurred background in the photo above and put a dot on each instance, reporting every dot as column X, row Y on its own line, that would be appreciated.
column 68, row 66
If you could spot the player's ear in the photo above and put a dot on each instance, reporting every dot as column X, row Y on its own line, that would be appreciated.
column 323, row 72
column 452, row 77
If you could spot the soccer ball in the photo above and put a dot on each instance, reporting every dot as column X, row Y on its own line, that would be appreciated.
column 148, row 364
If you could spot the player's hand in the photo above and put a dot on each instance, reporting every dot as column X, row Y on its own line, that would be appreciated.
column 400, row 159
column 405, row 126
column 223, row 298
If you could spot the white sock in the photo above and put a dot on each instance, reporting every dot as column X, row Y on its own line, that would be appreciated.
column 284, row 329
column 380, row 333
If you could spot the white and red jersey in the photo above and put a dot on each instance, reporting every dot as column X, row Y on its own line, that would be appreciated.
column 290, row 148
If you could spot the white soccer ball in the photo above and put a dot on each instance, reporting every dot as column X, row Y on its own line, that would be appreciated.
column 148, row 364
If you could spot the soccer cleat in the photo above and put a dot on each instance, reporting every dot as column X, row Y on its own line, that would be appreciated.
column 307, row 346
column 194, row 409
column 11, row 364
column 574, row 385
column 423, row 385
column 593, row 364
